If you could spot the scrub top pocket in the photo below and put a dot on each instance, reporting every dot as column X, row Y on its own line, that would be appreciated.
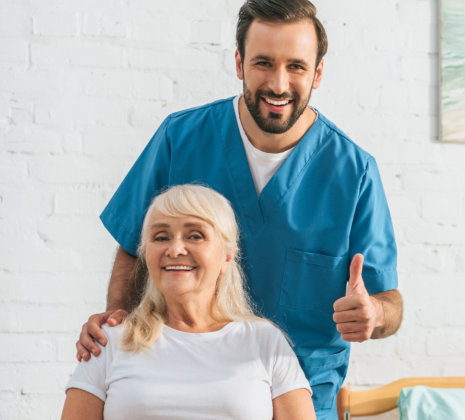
column 312, row 281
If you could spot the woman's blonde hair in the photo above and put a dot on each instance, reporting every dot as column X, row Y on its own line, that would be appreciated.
column 143, row 325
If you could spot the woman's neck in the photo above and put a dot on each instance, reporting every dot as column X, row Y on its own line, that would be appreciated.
column 194, row 318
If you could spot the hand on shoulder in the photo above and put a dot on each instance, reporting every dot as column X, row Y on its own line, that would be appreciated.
column 91, row 332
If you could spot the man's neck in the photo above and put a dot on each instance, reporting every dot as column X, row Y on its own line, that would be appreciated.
column 274, row 143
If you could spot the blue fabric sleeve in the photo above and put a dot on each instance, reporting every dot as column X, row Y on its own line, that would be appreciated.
column 124, row 214
column 372, row 233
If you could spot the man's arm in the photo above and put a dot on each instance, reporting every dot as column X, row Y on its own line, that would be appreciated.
column 124, row 290
column 390, row 311
column 360, row 316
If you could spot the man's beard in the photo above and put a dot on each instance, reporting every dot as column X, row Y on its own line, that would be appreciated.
column 274, row 123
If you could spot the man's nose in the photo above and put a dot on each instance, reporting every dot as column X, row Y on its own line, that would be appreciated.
column 279, row 83
column 176, row 248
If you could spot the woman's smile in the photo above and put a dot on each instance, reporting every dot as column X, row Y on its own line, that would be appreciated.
column 178, row 268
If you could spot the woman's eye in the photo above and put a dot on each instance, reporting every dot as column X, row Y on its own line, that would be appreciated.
column 160, row 238
column 196, row 236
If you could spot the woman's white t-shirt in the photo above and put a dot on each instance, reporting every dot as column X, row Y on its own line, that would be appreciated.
column 232, row 373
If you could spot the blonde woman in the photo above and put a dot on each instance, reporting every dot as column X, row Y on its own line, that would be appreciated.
column 193, row 348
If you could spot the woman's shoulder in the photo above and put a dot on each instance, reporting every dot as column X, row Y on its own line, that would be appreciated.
column 262, row 328
column 113, row 335
column 266, row 340
column 111, row 331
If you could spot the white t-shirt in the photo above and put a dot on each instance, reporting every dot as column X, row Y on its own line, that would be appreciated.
column 262, row 165
column 232, row 373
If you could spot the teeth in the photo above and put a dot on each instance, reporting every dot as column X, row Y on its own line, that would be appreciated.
column 277, row 103
column 178, row 267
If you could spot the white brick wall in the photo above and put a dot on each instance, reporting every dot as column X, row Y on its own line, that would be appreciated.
column 83, row 86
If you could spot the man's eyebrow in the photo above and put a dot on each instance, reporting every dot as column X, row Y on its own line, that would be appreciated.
column 261, row 57
column 298, row 61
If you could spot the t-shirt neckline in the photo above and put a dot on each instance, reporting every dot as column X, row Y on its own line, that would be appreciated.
column 184, row 334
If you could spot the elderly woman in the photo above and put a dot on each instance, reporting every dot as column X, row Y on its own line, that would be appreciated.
column 193, row 348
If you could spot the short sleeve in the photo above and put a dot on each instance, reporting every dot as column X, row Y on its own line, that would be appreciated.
column 124, row 214
column 91, row 376
column 286, row 373
column 372, row 233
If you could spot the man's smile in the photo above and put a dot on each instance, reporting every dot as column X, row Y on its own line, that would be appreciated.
column 276, row 102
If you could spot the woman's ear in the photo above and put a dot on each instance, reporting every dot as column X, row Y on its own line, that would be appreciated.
column 226, row 262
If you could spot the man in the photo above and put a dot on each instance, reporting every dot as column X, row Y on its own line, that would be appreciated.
column 308, row 200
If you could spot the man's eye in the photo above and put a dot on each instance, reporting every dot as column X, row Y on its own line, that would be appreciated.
column 263, row 64
column 296, row 67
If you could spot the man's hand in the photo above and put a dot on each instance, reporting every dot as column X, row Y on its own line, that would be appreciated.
column 126, row 283
column 92, row 330
column 357, row 314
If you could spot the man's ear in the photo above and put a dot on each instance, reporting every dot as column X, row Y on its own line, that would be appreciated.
column 239, row 72
column 318, row 74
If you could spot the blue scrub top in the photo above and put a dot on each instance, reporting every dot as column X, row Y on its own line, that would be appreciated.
column 323, row 205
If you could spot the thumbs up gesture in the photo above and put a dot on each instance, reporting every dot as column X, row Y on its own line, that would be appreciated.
column 357, row 314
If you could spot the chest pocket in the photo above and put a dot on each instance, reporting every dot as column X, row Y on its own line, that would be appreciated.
column 312, row 281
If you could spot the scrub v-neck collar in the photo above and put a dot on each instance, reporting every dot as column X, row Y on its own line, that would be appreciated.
column 257, row 210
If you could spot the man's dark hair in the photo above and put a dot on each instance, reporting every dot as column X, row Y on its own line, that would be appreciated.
column 279, row 11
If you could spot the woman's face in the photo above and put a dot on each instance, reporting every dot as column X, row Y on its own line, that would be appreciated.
column 184, row 256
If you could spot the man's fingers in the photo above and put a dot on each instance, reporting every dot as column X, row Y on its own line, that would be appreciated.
column 93, row 327
column 351, row 328
column 359, row 314
column 81, row 353
column 356, row 284
column 356, row 266
column 355, row 313
column 355, row 337
column 354, row 317
column 86, row 341
column 354, row 331
column 346, row 316
column 117, row 317
column 92, row 332
column 348, row 303
column 101, row 318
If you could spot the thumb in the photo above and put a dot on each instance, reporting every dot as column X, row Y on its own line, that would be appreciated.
column 356, row 285
column 116, row 317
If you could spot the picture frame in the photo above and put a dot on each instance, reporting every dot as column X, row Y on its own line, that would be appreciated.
column 452, row 71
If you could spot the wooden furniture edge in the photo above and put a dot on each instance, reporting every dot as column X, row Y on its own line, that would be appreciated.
column 384, row 398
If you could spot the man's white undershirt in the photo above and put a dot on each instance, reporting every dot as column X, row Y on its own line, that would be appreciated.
column 262, row 165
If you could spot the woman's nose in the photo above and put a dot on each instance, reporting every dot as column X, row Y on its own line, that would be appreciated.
column 176, row 248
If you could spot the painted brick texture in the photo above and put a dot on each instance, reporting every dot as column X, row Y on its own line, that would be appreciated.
column 83, row 86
